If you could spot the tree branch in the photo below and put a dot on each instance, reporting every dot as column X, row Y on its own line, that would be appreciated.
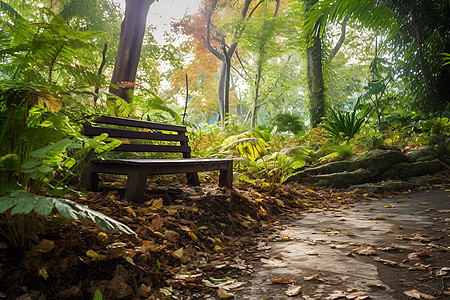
column 340, row 41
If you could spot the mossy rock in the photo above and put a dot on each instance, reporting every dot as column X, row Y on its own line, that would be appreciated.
column 379, row 161
column 406, row 170
column 385, row 186
column 423, row 180
column 423, row 154
column 332, row 167
column 342, row 179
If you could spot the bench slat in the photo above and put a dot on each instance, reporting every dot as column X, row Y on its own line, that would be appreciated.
column 139, row 123
column 152, row 148
column 89, row 130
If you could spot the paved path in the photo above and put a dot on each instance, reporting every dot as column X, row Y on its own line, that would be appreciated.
column 409, row 244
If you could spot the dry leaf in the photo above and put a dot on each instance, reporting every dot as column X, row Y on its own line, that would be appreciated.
column 418, row 295
column 364, row 250
column 380, row 218
column 293, row 290
column 45, row 246
column 358, row 295
column 157, row 204
column 223, row 294
column 283, row 280
column 193, row 236
column 95, row 256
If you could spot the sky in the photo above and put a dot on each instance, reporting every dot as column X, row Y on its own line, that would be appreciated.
column 163, row 12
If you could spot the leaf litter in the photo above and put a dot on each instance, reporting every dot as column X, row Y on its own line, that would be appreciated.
column 186, row 237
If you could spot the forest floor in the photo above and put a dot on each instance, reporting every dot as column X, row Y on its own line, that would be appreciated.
column 254, row 243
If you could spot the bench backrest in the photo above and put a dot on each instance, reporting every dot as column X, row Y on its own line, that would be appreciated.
column 142, row 130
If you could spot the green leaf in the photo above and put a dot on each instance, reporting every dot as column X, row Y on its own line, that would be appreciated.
column 9, row 162
column 6, row 203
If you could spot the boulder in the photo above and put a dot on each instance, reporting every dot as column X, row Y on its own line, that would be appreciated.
column 422, row 154
column 407, row 170
column 385, row 186
column 343, row 179
column 379, row 161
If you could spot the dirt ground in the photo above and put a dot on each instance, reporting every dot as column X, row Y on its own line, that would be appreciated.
column 193, row 243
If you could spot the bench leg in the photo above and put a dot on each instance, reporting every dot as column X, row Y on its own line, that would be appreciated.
column 226, row 176
column 192, row 178
column 89, row 180
column 136, row 186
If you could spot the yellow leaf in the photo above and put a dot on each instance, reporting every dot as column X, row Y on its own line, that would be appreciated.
column 218, row 240
column 348, row 233
column 172, row 210
column 157, row 204
column 130, row 210
column 263, row 210
column 217, row 247
column 306, row 204
column 178, row 253
column 112, row 197
column 348, row 193
column 52, row 103
column 130, row 260
column 423, row 203
column 43, row 273
column 326, row 230
column 259, row 200
column 45, row 246
column 311, row 191
column 345, row 207
column 365, row 195
column 339, row 198
column 388, row 206
column 102, row 234
column 228, row 200
column 184, row 227
column 82, row 198
column 193, row 236
column 95, row 256
column 247, row 217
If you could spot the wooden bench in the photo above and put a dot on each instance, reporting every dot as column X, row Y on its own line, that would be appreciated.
column 151, row 137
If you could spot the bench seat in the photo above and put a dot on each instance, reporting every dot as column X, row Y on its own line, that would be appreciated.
column 137, row 170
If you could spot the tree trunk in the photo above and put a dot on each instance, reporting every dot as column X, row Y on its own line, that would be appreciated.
column 129, row 50
column 315, row 77
column 255, row 97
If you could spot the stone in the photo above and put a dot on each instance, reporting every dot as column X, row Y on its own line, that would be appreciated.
column 343, row 179
column 423, row 180
column 379, row 161
column 406, row 170
column 384, row 187
column 422, row 154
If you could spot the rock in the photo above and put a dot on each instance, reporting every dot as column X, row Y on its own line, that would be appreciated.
column 343, row 179
column 379, row 161
column 422, row 154
column 423, row 180
column 406, row 170
column 384, row 187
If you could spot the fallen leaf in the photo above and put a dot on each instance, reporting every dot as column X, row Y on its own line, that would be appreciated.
column 364, row 250
column 43, row 273
column 313, row 277
column 348, row 233
column 442, row 272
column 272, row 263
column 326, row 230
column 386, row 261
column 312, row 253
column 178, row 253
column 358, row 295
column 223, row 294
column 157, row 204
column 95, row 256
column 293, row 290
column 380, row 218
column 283, row 280
column 193, row 236
column 45, row 246
column 418, row 295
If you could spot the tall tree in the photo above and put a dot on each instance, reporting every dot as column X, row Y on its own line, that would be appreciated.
column 418, row 31
column 216, row 42
column 314, row 72
column 130, row 44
